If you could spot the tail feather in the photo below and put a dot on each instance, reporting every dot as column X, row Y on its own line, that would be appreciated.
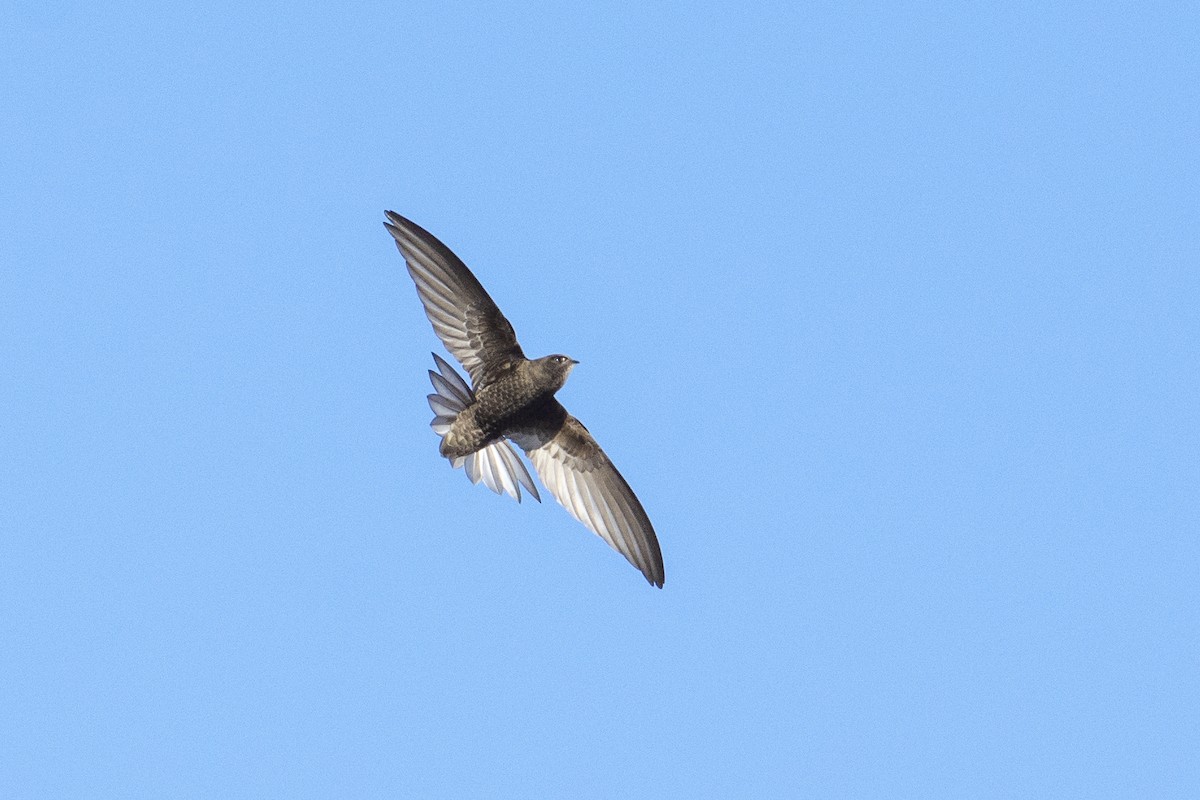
column 443, row 408
column 497, row 465
column 451, row 375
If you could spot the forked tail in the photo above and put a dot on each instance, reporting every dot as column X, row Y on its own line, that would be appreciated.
column 497, row 465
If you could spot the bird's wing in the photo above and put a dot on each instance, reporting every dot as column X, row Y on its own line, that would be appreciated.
column 585, row 482
column 463, row 315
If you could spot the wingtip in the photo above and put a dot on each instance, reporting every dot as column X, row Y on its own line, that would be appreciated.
column 400, row 228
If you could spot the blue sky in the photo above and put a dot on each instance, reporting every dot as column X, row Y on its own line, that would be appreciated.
column 888, row 314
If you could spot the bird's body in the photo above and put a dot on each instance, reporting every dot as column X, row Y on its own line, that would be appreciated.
column 511, row 399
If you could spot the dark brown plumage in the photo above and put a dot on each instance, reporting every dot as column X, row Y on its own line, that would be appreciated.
column 511, row 398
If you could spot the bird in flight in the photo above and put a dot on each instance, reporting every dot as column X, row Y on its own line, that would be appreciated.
column 511, row 399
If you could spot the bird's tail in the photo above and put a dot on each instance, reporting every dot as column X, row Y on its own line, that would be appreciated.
column 497, row 465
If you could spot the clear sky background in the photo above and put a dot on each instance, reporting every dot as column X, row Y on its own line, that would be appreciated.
column 889, row 315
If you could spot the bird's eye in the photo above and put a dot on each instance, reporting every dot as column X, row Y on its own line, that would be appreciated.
column 559, row 359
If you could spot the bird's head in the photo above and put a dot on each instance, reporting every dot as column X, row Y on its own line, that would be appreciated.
column 554, row 369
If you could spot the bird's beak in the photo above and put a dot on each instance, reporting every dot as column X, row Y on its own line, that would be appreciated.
column 573, row 362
